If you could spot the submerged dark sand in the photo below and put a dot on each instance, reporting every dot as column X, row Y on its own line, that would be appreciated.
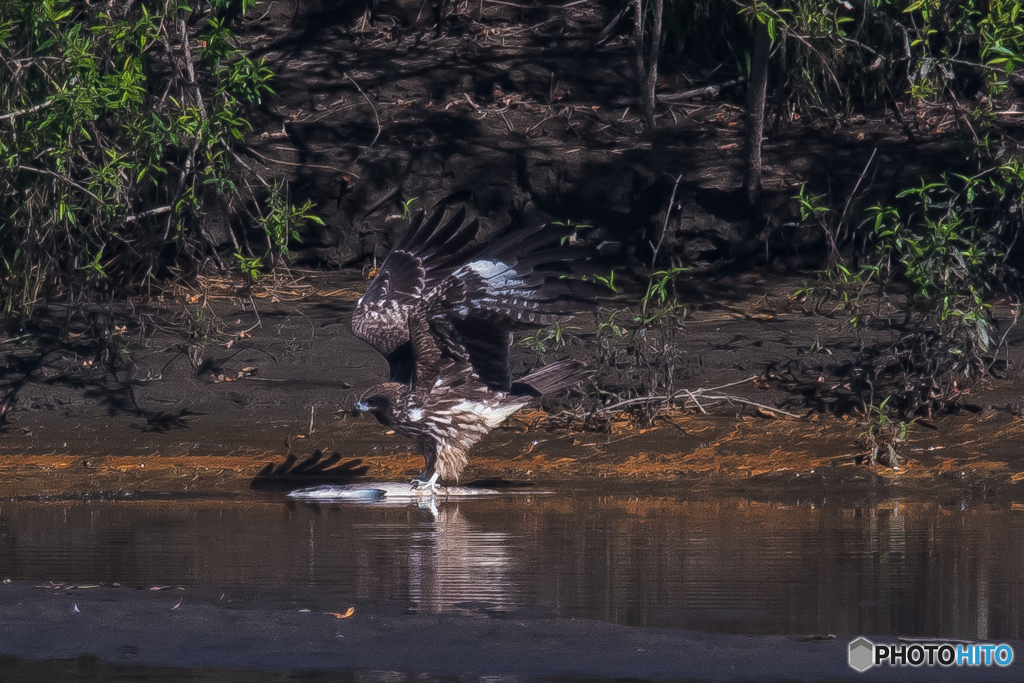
column 141, row 627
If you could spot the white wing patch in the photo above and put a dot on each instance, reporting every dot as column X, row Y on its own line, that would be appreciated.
column 499, row 276
column 415, row 414
column 493, row 415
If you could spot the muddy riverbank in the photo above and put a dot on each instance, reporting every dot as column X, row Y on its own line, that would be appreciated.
column 200, row 391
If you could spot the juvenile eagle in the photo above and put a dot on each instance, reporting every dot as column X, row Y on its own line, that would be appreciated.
column 441, row 311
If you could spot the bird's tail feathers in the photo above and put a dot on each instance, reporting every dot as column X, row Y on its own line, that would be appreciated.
column 552, row 378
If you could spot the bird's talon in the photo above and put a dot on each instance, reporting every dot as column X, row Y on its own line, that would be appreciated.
column 429, row 485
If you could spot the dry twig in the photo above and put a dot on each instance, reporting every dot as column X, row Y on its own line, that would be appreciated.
column 375, row 115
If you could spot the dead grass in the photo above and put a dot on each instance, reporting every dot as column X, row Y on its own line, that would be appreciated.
column 680, row 448
column 287, row 285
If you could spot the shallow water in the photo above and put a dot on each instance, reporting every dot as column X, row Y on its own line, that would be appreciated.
column 735, row 566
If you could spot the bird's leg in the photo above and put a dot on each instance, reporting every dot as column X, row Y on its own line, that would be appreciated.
column 430, row 485
column 429, row 450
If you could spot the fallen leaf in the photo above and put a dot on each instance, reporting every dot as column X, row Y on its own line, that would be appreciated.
column 178, row 604
column 342, row 615
column 158, row 588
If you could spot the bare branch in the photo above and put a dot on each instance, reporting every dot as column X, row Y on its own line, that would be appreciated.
column 376, row 116
column 146, row 214
column 65, row 179
column 29, row 110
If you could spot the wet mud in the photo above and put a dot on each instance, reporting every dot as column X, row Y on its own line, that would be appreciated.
column 276, row 374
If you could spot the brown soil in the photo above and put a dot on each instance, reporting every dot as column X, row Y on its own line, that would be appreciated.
column 206, row 414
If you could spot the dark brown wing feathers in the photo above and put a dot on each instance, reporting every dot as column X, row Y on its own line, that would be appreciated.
column 426, row 355
column 469, row 296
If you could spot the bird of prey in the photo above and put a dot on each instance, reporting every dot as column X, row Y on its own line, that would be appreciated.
column 441, row 310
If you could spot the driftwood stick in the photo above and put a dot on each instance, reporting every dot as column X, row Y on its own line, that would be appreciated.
column 666, row 98
column 694, row 394
column 146, row 214
column 606, row 33
column 738, row 399
column 706, row 91
column 385, row 198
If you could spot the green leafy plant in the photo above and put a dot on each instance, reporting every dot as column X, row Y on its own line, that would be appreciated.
column 117, row 126
column 610, row 325
column 573, row 236
column 884, row 434
column 407, row 207
column 606, row 280
column 282, row 220
column 938, row 254
column 834, row 57
column 250, row 266
column 656, row 303
column 658, row 286
column 548, row 338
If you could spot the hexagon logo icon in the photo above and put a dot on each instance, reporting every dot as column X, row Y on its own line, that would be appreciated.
column 862, row 654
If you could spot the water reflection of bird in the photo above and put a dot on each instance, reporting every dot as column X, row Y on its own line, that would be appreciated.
column 454, row 566
column 441, row 310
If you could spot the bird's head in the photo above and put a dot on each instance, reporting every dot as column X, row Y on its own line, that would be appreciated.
column 381, row 402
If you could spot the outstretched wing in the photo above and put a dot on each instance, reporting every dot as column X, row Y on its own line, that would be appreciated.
column 512, row 284
column 427, row 254
column 471, row 296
